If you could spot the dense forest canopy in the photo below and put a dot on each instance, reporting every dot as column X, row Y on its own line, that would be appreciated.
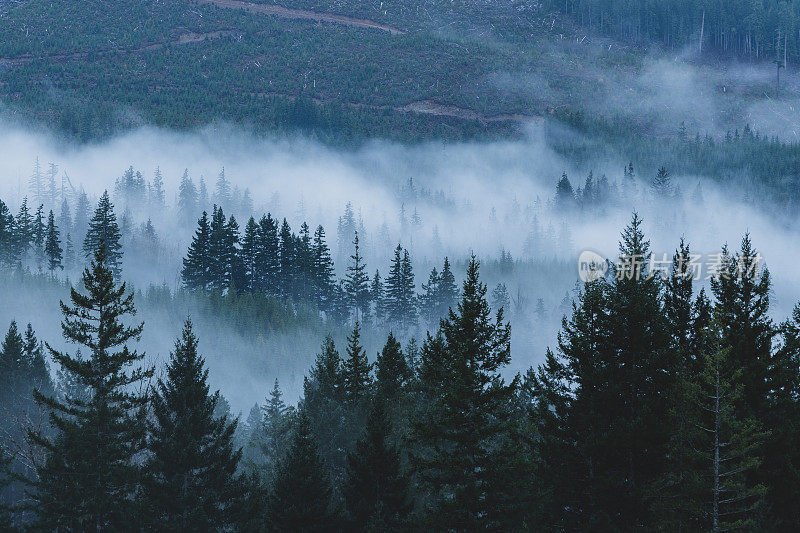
column 384, row 265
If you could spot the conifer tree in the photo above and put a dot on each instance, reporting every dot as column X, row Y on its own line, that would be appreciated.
column 376, row 295
column 300, row 499
column 90, row 477
column 429, row 299
column 23, row 231
column 376, row 490
column 5, row 481
column 565, row 194
column 39, row 237
column 662, row 184
column 304, row 259
column 158, row 196
column 222, row 195
column 52, row 247
column 268, row 256
column 392, row 371
column 192, row 483
column 324, row 404
column 187, row 198
column 220, row 252
column 460, row 437
column 104, row 233
column 196, row 272
column 357, row 284
column 357, row 379
column 7, row 244
column 286, row 272
column 323, row 271
column 250, row 247
column 278, row 420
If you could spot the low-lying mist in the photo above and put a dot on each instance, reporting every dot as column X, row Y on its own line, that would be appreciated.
column 436, row 199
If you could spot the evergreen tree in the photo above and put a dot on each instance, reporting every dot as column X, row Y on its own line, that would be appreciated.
column 250, row 248
column 460, row 438
column 24, row 231
column 52, row 247
column 196, row 272
column 357, row 380
column 220, row 252
column 192, row 483
column 158, row 196
column 565, row 195
column 222, row 195
column 376, row 491
column 39, row 237
column 357, row 284
column 377, row 296
column 662, row 184
column 278, row 420
column 429, row 299
column 300, row 499
column 304, row 259
column 90, row 477
column 500, row 298
column 400, row 299
column 187, row 198
column 104, row 233
column 267, row 258
column 7, row 237
column 392, row 372
column 322, row 271
column 286, row 272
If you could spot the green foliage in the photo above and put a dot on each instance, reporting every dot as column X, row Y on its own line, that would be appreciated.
column 191, row 481
column 90, row 478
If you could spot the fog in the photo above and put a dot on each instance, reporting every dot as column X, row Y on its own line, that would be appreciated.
column 480, row 198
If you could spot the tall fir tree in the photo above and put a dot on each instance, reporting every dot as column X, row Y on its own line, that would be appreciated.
column 460, row 438
column 356, row 369
column 191, row 483
column 357, row 284
column 52, row 248
column 187, row 198
column 104, row 233
column 300, row 499
column 324, row 284
column 376, row 490
column 196, row 272
column 90, row 476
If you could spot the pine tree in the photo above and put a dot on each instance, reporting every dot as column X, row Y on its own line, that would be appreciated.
column 7, row 244
column 640, row 373
column 304, row 259
column 357, row 284
column 196, row 264
column 187, row 198
column 36, row 184
column 250, row 249
column 376, row 490
column 278, row 421
column 52, row 247
column 429, row 299
column 356, row 369
column 192, row 483
column 222, row 195
column 286, row 272
column 104, row 233
column 39, row 237
column 220, row 252
column 376, row 295
column 268, row 256
column 565, row 195
column 400, row 298
column 459, row 439
column 322, row 271
column 392, row 372
column 662, row 184
column 23, row 231
column 500, row 298
column 300, row 499
column 90, row 476
column 158, row 196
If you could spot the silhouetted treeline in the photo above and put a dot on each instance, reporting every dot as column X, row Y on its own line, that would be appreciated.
column 659, row 408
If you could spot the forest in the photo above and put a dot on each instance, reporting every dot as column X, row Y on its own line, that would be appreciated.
column 659, row 406
column 441, row 265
